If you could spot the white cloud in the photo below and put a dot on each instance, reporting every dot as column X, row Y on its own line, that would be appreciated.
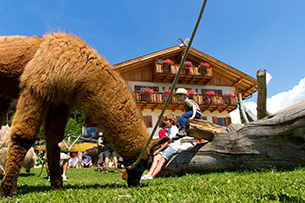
column 251, row 106
column 282, row 100
column 268, row 78
column 285, row 99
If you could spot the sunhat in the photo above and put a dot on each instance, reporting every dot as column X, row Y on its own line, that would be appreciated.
column 181, row 91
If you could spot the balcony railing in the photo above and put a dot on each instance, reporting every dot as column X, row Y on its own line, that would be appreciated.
column 173, row 69
column 191, row 75
column 157, row 100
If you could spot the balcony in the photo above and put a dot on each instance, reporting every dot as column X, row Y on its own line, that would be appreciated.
column 193, row 75
column 157, row 101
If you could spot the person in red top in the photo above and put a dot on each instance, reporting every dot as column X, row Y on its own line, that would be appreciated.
column 163, row 131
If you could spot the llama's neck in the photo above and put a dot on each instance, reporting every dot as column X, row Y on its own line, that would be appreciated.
column 113, row 106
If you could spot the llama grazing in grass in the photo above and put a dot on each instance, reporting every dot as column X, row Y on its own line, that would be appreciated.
column 51, row 76
column 29, row 159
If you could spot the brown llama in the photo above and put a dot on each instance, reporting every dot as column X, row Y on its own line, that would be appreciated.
column 59, row 73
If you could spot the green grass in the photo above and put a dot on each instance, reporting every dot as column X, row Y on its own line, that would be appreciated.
column 87, row 185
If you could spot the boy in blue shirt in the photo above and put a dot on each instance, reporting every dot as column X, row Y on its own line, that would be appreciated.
column 192, row 111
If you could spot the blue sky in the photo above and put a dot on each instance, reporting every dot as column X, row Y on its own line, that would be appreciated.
column 248, row 35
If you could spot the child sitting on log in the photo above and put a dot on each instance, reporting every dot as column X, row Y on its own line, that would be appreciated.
column 192, row 111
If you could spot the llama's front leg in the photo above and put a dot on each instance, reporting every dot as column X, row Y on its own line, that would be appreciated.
column 55, row 125
column 26, row 123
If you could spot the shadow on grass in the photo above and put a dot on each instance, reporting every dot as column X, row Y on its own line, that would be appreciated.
column 25, row 189
column 27, row 174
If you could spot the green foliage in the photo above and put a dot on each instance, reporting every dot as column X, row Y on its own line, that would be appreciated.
column 86, row 185
column 73, row 127
column 11, row 112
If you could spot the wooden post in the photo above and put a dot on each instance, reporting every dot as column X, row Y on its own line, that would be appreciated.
column 242, row 108
column 262, row 94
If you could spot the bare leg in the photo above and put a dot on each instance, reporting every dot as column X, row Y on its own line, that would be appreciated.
column 106, row 165
column 55, row 126
column 106, row 162
column 115, row 161
column 159, row 166
column 64, row 167
column 26, row 124
column 154, row 164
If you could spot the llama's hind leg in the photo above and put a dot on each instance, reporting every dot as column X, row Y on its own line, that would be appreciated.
column 55, row 125
column 26, row 124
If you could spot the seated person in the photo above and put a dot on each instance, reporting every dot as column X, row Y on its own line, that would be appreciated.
column 167, row 150
column 86, row 161
column 73, row 162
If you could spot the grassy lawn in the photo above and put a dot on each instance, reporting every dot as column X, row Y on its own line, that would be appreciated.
column 87, row 185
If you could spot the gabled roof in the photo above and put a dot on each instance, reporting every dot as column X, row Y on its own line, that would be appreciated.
column 244, row 83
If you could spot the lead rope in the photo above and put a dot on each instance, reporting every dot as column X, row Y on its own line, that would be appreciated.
column 132, row 166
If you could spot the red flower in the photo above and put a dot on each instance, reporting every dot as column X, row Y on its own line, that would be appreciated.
column 168, row 62
column 204, row 65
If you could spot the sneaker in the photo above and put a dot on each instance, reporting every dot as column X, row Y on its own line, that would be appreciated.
column 182, row 133
column 105, row 171
column 117, row 170
column 146, row 177
column 64, row 178
column 98, row 170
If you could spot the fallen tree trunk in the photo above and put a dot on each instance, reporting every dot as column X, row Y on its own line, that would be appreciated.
column 277, row 140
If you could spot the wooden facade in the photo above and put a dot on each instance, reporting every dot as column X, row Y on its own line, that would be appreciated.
column 150, row 69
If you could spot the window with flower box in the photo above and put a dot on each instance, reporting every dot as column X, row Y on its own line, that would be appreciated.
column 137, row 88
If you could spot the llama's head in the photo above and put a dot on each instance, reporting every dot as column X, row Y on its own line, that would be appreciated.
column 133, row 176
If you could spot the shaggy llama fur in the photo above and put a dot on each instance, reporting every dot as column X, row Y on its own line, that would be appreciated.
column 29, row 159
column 58, row 73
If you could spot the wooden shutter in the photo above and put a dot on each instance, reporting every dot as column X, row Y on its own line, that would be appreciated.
column 204, row 118
column 215, row 120
column 228, row 120
column 149, row 121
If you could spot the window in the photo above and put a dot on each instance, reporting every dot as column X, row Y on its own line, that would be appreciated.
column 222, row 120
column 148, row 121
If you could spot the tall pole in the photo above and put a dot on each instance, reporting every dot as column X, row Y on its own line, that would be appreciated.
column 262, row 94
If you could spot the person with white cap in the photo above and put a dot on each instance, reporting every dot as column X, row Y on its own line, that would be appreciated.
column 192, row 111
